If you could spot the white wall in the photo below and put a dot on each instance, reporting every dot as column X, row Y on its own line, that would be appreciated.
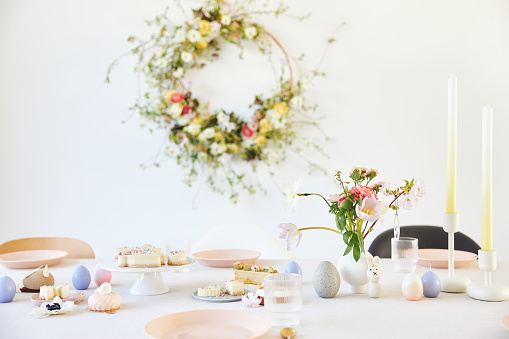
column 70, row 167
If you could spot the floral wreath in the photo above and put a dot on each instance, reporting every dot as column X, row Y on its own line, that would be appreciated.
column 199, row 138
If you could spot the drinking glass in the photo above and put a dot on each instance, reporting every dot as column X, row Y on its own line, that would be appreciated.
column 283, row 298
column 404, row 253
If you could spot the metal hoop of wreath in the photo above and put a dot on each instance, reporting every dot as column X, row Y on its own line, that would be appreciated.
column 214, row 142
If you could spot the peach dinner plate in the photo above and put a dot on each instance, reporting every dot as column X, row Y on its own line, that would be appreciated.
column 505, row 322
column 31, row 259
column 208, row 324
column 226, row 258
column 438, row 258
column 76, row 296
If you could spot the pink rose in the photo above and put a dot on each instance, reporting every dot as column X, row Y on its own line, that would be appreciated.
column 362, row 191
column 246, row 131
column 185, row 109
column 177, row 97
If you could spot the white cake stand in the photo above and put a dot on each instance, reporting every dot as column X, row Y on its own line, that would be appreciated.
column 149, row 280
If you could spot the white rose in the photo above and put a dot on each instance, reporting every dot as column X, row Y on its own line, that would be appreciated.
column 162, row 63
column 225, row 20
column 297, row 101
column 202, row 156
column 175, row 110
column 193, row 129
column 193, row 36
column 215, row 26
column 207, row 134
column 250, row 32
column 186, row 57
column 180, row 36
column 216, row 148
column 183, row 120
column 178, row 73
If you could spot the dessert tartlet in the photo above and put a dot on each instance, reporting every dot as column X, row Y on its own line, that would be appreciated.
column 104, row 299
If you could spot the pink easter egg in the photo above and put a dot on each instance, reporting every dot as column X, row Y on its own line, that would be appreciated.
column 101, row 276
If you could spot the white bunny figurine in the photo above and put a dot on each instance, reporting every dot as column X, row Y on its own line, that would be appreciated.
column 374, row 289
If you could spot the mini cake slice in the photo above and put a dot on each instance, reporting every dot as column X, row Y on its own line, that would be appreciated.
column 251, row 274
column 209, row 291
column 176, row 258
column 144, row 260
column 50, row 292
column 235, row 287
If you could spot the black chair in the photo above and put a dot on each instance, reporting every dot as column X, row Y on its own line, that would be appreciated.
column 429, row 237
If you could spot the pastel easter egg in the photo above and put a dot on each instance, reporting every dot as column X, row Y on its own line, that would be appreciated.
column 101, row 276
column 326, row 280
column 81, row 278
column 293, row 267
column 412, row 287
column 431, row 284
column 7, row 289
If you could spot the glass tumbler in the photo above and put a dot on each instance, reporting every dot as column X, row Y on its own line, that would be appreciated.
column 283, row 298
column 404, row 253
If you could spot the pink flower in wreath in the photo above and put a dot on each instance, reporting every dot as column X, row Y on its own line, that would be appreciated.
column 363, row 191
column 177, row 97
column 246, row 131
column 185, row 109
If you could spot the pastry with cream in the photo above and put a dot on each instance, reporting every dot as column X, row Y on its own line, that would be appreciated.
column 251, row 274
column 104, row 299
column 260, row 291
column 176, row 258
column 209, row 291
column 33, row 282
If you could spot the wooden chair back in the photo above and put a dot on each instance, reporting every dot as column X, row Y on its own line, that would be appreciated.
column 76, row 248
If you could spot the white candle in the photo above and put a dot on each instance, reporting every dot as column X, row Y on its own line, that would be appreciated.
column 487, row 145
column 452, row 125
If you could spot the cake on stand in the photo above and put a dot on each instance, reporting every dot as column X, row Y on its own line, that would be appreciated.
column 149, row 280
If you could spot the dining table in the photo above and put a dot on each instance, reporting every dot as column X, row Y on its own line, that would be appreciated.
column 347, row 315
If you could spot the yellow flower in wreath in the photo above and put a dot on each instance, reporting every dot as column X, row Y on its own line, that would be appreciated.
column 233, row 148
column 167, row 95
column 219, row 136
column 264, row 126
column 202, row 44
column 280, row 108
column 260, row 140
column 197, row 120
column 204, row 27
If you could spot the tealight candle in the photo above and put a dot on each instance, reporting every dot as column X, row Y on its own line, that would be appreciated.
column 431, row 284
column 7, row 289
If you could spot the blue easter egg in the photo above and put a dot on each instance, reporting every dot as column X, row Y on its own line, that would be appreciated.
column 293, row 267
column 7, row 289
column 431, row 284
column 81, row 278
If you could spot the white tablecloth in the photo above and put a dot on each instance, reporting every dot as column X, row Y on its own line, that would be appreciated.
column 346, row 316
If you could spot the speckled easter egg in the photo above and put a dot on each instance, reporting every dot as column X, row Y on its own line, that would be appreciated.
column 293, row 267
column 101, row 276
column 412, row 287
column 326, row 280
column 81, row 278
column 431, row 284
column 7, row 289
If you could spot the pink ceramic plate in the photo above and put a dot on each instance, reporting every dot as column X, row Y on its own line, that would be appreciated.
column 438, row 258
column 31, row 259
column 76, row 296
column 226, row 258
column 207, row 324
column 505, row 321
